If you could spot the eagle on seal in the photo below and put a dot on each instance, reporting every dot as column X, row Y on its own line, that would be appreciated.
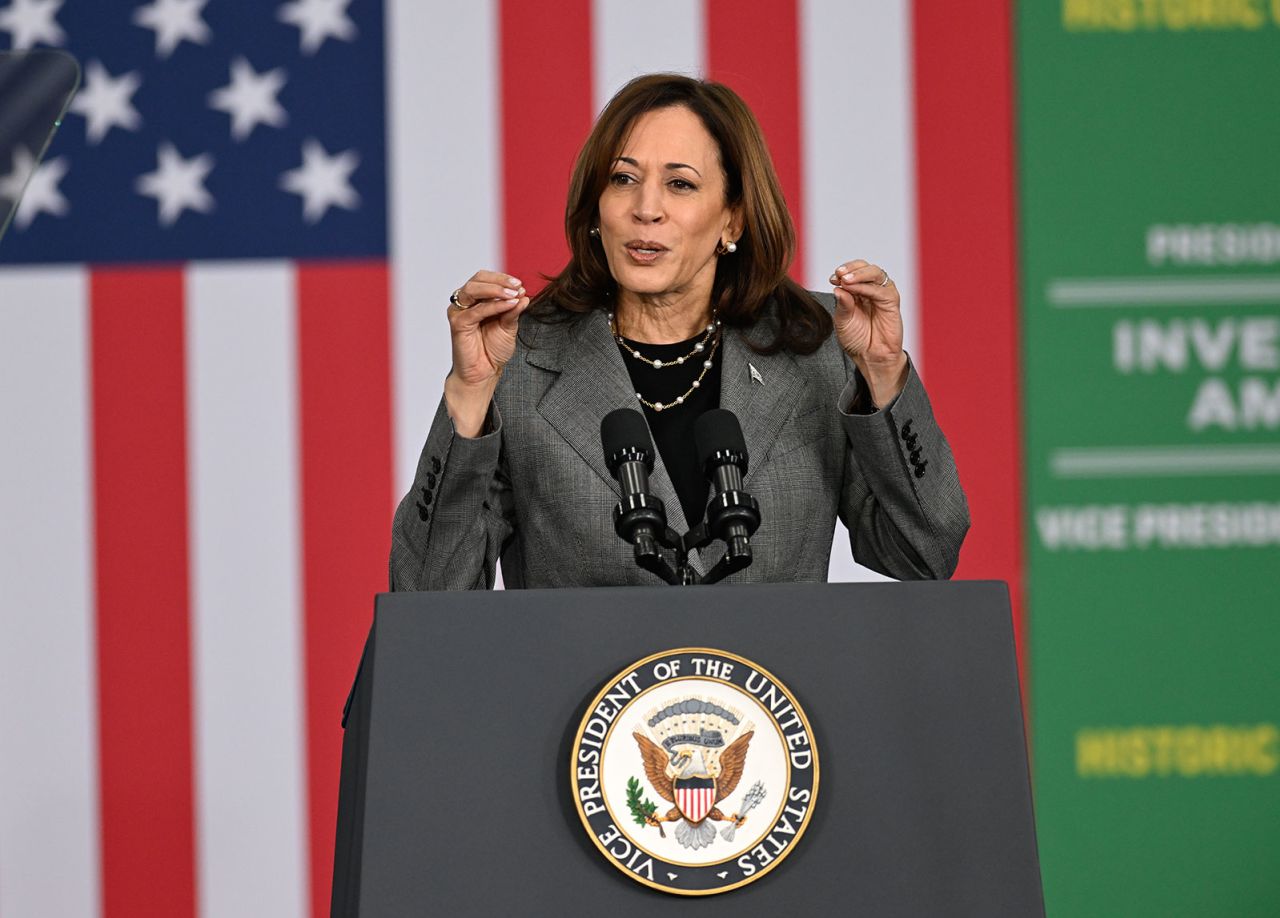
column 694, row 785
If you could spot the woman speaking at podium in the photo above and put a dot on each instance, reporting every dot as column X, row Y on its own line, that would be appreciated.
column 676, row 300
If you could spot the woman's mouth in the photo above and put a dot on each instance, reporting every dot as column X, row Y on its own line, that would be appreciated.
column 645, row 252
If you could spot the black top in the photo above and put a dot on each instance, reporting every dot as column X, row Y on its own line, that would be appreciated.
column 673, row 427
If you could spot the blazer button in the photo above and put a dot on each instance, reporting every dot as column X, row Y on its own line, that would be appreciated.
column 427, row 496
column 906, row 431
column 431, row 480
column 422, row 512
column 919, row 471
column 435, row 464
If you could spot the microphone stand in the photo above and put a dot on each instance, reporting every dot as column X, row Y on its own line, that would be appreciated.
column 732, row 515
column 642, row 520
column 645, row 517
column 724, row 510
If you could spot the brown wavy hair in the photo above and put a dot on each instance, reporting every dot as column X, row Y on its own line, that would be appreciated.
column 751, row 284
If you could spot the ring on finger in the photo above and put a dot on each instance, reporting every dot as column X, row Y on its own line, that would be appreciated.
column 886, row 281
column 453, row 300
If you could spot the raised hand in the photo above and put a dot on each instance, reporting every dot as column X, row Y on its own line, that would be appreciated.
column 484, row 315
column 868, row 324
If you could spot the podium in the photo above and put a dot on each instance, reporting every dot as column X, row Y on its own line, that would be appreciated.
column 455, row 792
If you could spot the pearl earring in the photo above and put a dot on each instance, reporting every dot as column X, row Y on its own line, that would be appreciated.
column 731, row 247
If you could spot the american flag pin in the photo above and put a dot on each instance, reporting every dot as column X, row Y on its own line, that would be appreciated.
column 755, row 374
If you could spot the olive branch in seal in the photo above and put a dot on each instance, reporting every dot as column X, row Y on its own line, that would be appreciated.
column 642, row 809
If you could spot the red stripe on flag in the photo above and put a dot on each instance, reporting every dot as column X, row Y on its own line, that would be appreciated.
column 545, row 115
column 753, row 46
column 144, row 656
column 965, row 191
column 346, row 495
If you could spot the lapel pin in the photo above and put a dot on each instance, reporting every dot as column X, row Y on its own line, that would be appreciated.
column 755, row 374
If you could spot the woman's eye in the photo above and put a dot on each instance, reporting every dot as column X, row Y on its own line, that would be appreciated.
column 620, row 178
column 682, row 185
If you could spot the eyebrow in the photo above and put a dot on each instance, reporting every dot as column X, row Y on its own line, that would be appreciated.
column 631, row 162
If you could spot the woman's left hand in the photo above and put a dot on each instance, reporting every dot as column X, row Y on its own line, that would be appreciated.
column 868, row 324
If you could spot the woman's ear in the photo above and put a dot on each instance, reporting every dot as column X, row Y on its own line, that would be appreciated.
column 733, row 231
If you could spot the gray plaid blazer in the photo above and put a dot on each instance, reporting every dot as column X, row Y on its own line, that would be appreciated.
column 535, row 490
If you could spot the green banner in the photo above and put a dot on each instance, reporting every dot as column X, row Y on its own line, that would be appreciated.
column 1149, row 158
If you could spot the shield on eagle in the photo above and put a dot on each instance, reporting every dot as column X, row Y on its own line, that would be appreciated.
column 695, row 797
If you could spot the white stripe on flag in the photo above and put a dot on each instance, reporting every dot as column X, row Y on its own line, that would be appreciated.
column 49, row 836
column 445, row 207
column 859, row 143
column 668, row 36
column 246, row 607
column 446, row 196
column 859, row 161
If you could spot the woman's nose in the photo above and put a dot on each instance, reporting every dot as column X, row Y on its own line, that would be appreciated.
column 648, row 205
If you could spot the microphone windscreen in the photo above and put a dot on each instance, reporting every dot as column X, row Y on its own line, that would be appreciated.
column 625, row 429
column 718, row 431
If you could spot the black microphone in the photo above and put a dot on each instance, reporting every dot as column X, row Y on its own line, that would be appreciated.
column 628, row 449
column 639, row 517
column 732, row 515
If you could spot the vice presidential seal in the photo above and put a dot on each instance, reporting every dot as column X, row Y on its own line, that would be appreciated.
column 694, row 771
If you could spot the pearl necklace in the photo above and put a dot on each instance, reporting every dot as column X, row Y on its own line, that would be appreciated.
column 711, row 335
column 659, row 364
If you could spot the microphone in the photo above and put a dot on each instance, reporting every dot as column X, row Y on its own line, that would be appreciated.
column 639, row 518
column 628, row 449
column 732, row 515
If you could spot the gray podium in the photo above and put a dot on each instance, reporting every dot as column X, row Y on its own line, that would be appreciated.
column 455, row 788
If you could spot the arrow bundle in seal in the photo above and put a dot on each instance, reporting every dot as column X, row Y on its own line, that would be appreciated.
column 749, row 802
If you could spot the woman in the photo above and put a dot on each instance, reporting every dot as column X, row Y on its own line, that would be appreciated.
column 676, row 299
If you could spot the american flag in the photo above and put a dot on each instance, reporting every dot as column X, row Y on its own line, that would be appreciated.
column 222, row 340
column 211, row 131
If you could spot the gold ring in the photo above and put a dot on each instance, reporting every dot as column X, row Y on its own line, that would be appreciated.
column 885, row 282
column 453, row 300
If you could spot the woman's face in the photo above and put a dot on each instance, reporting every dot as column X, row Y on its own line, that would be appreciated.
column 663, row 211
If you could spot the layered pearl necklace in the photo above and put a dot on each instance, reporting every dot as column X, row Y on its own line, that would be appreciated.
column 707, row 344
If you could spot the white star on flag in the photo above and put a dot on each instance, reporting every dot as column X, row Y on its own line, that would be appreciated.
column 318, row 20
column 250, row 98
column 31, row 21
column 106, row 101
column 322, row 180
column 42, row 194
column 174, row 21
column 177, row 184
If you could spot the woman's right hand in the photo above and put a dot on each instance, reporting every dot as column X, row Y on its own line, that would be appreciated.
column 482, row 327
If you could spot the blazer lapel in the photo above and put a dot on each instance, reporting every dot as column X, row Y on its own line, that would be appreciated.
column 761, row 390
column 593, row 381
